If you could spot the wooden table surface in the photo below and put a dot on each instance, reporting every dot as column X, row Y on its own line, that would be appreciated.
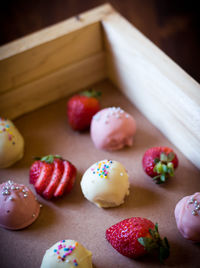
column 171, row 25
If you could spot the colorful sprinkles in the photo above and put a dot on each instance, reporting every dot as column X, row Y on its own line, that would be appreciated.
column 196, row 204
column 5, row 128
column 75, row 262
column 62, row 252
column 102, row 168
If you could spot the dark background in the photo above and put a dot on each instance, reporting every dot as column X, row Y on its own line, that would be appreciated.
column 171, row 25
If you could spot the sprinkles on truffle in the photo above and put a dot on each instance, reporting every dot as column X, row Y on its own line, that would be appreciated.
column 10, row 186
column 112, row 111
column 196, row 204
column 102, row 168
column 62, row 252
column 5, row 128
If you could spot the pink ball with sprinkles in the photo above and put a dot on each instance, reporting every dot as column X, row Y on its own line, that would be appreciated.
column 112, row 129
column 187, row 215
column 19, row 207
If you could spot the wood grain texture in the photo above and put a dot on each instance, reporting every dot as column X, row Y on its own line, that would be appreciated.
column 160, row 89
column 43, row 52
column 155, row 84
column 48, row 57
column 54, row 86
column 171, row 25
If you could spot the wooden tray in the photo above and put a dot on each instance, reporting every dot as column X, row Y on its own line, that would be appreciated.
column 77, row 53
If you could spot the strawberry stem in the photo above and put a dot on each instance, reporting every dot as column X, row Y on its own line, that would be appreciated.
column 163, row 167
column 155, row 243
column 48, row 158
column 36, row 157
column 91, row 93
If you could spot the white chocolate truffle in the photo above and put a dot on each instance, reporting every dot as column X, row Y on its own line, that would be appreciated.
column 11, row 144
column 105, row 183
column 67, row 254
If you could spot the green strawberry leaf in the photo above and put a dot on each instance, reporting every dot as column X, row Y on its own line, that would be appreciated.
column 170, row 157
column 170, row 169
column 171, row 172
column 163, row 253
column 159, row 182
column 158, row 168
column 48, row 159
column 160, row 178
column 156, row 160
column 148, row 243
column 36, row 157
column 152, row 232
column 156, row 227
column 163, row 177
column 164, row 168
column 156, row 179
column 58, row 156
column 170, row 165
column 142, row 241
column 156, row 243
column 166, row 243
column 163, row 157
column 91, row 93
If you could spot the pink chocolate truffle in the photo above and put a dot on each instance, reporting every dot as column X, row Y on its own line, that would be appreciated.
column 187, row 214
column 112, row 129
column 18, row 206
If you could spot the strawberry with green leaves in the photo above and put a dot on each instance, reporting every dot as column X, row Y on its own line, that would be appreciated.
column 160, row 163
column 52, row 176
column 135, row 237
column 81, row 108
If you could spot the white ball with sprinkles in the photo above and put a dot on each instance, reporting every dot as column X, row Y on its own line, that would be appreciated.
column 11, row 144
column 67, row 254
column 105, row 183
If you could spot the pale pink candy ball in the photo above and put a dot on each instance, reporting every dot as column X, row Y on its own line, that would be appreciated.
column 112, row 129
column 187, row 214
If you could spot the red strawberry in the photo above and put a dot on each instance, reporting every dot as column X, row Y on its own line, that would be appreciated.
column 160, row 163
column 52, row 176
column 35, row 171
column 67, row 181
column 136, row 237
column 81, row 108
column 55, row 178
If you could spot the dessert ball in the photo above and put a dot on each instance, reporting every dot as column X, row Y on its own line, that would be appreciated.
column 105, row 183
column 67, row 254
column 11, row 144
column 19, row 207
column 187, row 214
column 112, row 129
